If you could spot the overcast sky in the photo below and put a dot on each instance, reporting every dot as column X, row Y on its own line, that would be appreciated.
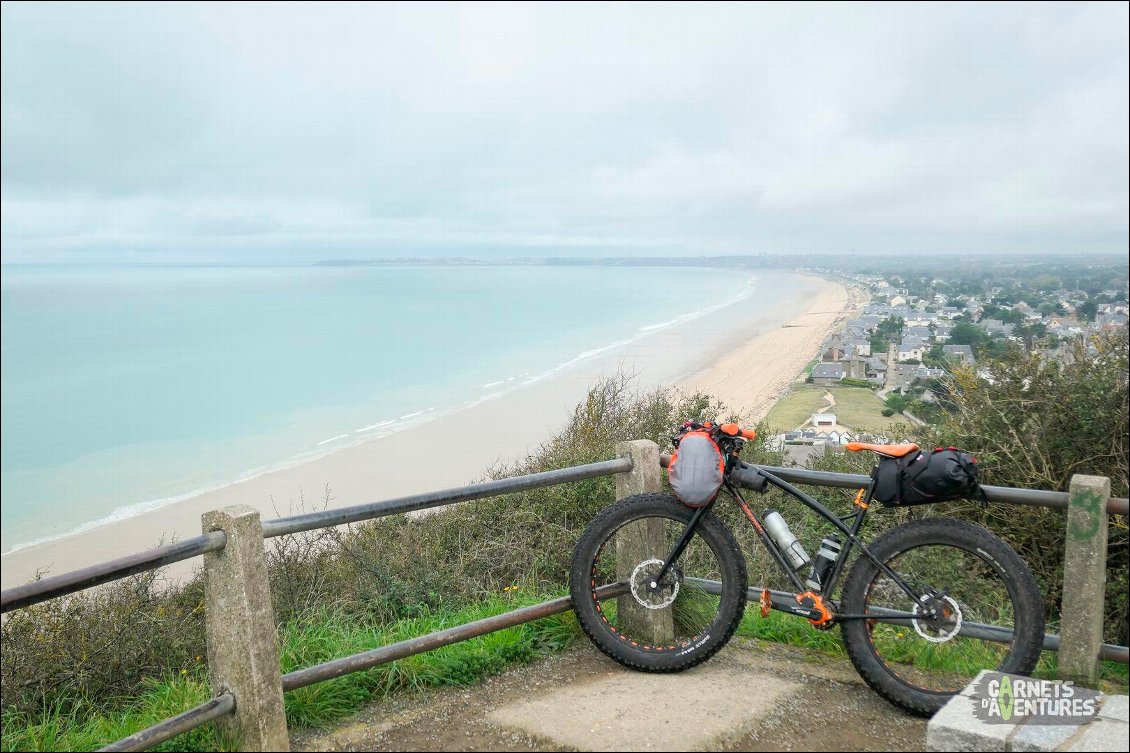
column 295, row 133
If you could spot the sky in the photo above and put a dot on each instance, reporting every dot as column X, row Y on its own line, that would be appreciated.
column 291, row 133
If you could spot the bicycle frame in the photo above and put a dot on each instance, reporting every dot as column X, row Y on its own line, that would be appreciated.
column 848, row 525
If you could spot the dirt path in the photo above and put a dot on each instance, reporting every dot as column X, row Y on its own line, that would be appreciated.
column 816, row 703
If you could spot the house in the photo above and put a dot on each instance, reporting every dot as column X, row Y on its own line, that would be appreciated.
column 942, row 332
column 864, row 324
column 827, row 373
column 898, row 300
column 922, row 333
column 926, row 372
column 902, row 374
column 855, row 364
column 832, row 354
column 1111, row 320
column 823, row 419
column 911, row 348
column 860, row 345
column 962, row 353
column 834, row 437
column 997, row 327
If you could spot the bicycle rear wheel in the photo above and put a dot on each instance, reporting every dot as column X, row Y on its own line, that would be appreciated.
column 657, row 625
column 988, row 613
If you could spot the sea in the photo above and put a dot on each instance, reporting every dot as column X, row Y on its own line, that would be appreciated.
column 127, row 387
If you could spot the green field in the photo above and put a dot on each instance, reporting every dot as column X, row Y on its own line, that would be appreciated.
column 856, row 407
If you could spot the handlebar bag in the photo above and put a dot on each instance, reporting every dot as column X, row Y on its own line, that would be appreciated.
column 925, row 477
column 696, row 470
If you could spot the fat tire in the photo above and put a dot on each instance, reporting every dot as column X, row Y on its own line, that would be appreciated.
column 1018, row 580
column 731, row 605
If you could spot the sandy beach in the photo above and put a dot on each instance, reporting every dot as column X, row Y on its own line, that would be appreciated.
column 749, row 365
column 750, row 376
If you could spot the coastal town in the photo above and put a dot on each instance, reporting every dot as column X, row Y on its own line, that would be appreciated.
column 885, row 369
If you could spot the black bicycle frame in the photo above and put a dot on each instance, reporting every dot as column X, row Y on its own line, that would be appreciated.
column 851, row 532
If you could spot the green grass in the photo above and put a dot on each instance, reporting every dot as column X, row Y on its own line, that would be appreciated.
column 329, row 635
column 81, row 731
column 968, row 658
column 856, row 407
column 318, row 638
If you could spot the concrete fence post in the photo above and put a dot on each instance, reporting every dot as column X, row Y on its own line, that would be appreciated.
column 243, row 654
column 639, row 541
column 1084, row 580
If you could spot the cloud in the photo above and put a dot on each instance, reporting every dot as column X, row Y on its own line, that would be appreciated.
column 248, row 132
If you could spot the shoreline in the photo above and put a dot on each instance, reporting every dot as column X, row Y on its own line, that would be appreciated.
column 390, row 464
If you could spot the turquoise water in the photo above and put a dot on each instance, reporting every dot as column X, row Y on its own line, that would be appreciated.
column 130, row 386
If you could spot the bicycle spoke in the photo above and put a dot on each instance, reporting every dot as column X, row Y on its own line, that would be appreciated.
column 672, row 613
column 933, row 652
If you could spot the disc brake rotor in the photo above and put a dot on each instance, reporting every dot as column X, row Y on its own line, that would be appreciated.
column 648, row 592
column 942, row 627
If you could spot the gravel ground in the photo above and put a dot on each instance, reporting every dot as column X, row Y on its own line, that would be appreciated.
column 831, row 709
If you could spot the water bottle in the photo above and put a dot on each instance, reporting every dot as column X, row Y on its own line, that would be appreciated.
column 779, row 530
column 825, row 560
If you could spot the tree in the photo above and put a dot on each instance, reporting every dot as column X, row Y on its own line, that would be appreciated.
column 936, row 357
column 1030, row 334
column 897, row 402
column 887, row 331
column 1087, row 310
column 967, row 333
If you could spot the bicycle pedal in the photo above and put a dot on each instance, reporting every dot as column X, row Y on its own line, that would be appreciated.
column 819, row 614
column 766, row 602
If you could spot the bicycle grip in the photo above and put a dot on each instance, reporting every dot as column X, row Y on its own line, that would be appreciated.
column 747, row 476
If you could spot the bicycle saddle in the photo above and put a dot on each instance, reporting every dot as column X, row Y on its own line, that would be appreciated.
column 890, row 450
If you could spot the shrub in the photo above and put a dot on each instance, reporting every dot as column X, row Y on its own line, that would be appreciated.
column 1035, row 424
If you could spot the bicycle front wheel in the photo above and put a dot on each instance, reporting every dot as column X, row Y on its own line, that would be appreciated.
column 651, row 623
column 982, row 610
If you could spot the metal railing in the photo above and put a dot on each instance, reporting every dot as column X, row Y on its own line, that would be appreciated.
column 161, row 732
column 225, row 703
column 152, row 559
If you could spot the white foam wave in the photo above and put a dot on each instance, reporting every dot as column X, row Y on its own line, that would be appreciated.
column 332, row 439
column 375, row 426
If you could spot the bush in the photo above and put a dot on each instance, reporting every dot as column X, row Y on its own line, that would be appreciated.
column 1035, row 425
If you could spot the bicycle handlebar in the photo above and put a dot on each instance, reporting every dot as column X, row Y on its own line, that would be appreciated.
column 747, row 476
column 733, row 430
